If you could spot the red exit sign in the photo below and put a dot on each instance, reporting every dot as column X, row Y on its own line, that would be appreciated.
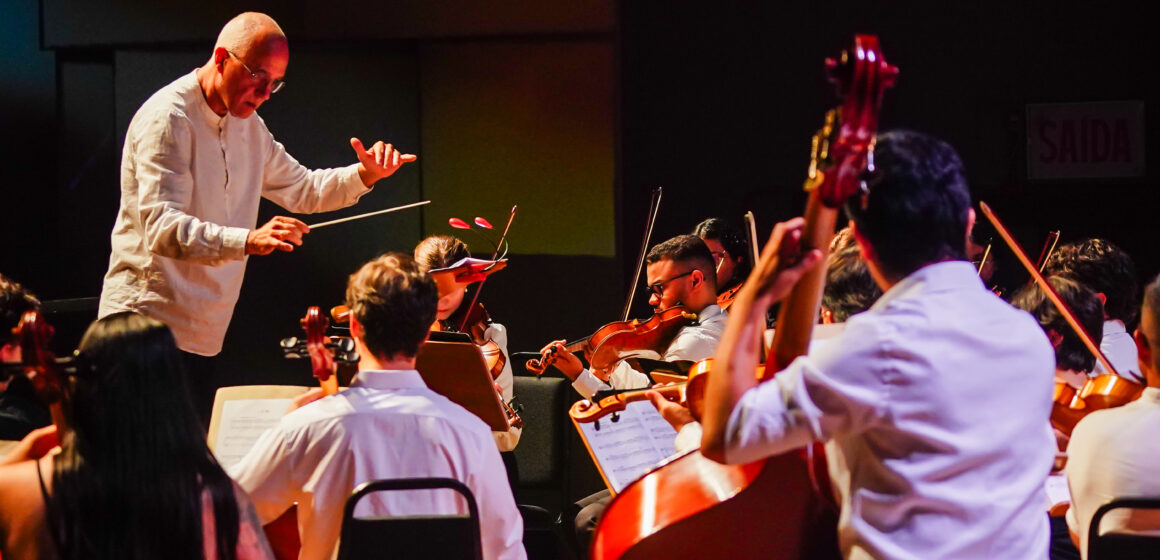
column 1085, row 140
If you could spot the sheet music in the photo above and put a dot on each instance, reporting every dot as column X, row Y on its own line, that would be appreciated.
column 242, row 421
column 627, row 449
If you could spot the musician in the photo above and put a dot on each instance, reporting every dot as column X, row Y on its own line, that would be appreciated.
column 388, row 424
column 931, row 402
column 20, row 410
column 680, row 271
column 197, row 159
column 1109, row 271
column 134, row 477
column 730, row 252
column 1113, row 453
column 442, row 251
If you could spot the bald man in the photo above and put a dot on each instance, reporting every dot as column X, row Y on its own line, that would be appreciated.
column 195, row 163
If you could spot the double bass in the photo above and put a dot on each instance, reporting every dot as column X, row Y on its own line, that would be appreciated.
column 687, row 503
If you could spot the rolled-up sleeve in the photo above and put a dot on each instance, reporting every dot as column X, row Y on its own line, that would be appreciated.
column 833, row 392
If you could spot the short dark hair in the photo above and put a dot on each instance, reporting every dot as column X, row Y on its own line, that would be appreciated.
column 14, row 301
column 849, row 287
column 1103, row 267
column 687, row 249
column 915, row 212
column 734, row 242
column 395, row 302
column 440, row 251
column 1071, row 353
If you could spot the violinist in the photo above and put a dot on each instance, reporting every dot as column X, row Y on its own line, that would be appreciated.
column 442, row 251
column 1110, row 273
column 20, row 410
column 387, row 425
column 730, row 252
column 1113, row 453
column 931, row 402
column 680, row 271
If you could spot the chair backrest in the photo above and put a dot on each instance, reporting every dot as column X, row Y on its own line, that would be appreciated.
column 1122, row 546
column 425, row 536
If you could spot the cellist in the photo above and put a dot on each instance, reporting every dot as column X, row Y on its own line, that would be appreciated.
column 931, row 402
column 680, row 271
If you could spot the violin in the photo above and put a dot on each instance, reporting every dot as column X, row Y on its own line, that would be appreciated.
column 474, row 321
column 623, row 339
column 725, row 299
column 585, row 410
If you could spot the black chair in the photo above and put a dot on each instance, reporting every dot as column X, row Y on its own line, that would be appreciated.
column 426, row 536
column 1122, row 546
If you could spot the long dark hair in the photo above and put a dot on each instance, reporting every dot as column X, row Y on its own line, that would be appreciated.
column 129, row 480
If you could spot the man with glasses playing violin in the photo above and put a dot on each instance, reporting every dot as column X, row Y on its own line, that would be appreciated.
column 195, row 164
column 680, row 271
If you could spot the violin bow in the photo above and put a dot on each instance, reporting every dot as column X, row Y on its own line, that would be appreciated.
column 654, row 207
column 479, row 288
column 1047, row 289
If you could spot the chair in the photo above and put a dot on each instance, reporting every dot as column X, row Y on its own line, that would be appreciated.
column 1122, row 546
column 438, row 536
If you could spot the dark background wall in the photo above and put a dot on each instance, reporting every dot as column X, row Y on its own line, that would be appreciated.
column 719, row 105
column 573, row 110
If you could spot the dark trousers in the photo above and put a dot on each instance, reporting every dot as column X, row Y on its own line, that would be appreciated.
column 585, row 515
column 202, row 384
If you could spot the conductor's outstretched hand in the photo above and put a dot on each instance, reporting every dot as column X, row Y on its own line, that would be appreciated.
column 379, row 162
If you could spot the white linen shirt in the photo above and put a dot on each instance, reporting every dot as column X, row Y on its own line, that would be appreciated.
column 190, row 186
column 933, row 403
column 1120, row 348
column 1114, row 453
column 387, row 425
column 694, row 342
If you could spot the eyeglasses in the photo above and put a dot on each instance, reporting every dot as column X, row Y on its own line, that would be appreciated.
column 260, row 75
column 658, row 288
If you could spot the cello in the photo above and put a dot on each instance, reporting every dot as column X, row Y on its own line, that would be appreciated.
column 687, row 502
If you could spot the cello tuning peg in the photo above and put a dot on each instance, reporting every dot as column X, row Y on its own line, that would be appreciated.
column 596, row 425
column 458, row 224
column 289, row 343
column 615, row 417
column 481, row 222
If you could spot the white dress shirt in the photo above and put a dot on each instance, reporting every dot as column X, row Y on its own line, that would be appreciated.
column 694, row 342
column 1120, row 348
column 933, row 405
column 190, row 186
column 387, row 425
column 1114, row 453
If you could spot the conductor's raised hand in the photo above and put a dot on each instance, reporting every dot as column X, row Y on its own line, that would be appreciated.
column 281, row 233
column 379, row 162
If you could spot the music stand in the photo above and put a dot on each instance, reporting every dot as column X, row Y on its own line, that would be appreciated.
column 457, row 371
